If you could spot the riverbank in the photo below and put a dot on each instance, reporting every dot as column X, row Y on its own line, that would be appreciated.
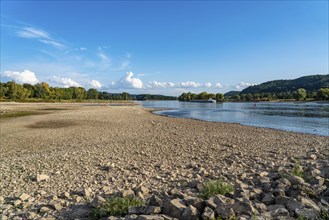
column 64, row 159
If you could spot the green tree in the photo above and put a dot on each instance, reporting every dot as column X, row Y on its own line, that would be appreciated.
column 301, row 94
column 3, row 90
column 219, row 97
column 323, row 94
column 92, row 94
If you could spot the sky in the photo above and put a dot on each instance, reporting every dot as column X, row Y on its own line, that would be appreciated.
column 162, row 47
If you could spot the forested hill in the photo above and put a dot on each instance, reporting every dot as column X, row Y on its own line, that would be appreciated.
column 309, row 83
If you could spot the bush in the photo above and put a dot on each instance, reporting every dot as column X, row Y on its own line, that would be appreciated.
column 116, row 206
column 298, row 170
column 215, row 187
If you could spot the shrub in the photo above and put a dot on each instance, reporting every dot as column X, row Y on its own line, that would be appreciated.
column 215, row 187
column 298, row 170
column 116, row 206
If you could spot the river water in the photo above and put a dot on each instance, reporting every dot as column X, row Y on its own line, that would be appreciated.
column 303, row 117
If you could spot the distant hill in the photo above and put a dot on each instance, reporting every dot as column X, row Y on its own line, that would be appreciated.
column 309, row 83
column 232, row 93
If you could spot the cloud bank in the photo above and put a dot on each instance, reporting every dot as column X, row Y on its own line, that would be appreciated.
column 22, row 77
column 243, row 85
column 94, row 84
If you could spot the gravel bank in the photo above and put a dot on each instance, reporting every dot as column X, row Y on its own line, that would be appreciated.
column 80, row 152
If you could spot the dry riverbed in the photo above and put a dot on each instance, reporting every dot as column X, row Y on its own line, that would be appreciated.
column 60, row 165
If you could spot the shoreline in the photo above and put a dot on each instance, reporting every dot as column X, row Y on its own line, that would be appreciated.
column 106, row 150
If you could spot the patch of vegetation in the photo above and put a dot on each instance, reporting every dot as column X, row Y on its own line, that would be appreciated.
column 298, row 170
column 215, row 187
column 116, row 206
column 324, row 215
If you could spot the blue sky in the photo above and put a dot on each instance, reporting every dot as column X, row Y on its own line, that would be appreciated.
column 162, row 47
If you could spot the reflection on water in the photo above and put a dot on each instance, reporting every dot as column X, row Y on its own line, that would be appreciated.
column 308, row 117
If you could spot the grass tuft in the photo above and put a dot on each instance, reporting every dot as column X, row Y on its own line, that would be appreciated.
column 215, row 187
column 298, row 170
column 116, row 206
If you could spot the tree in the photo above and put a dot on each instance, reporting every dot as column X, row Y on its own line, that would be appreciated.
column 3, row 90
column 301, row 94
column 92, row 94
column 323, row 94
column 219, row 97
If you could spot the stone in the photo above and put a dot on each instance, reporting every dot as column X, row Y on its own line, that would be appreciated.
column 193, row 184
column 310, row 204
column 143, row 190
column 264, row 173
column 293, row 204
column 211, row 203
column 268, row 199
column 191, row 213
column 306, row 213
column 274, row 207
column 2, row 199
column 24, row 196
column 174, row 208
column 127, row 193
column 296, row 180
column 42, row 177
column 44, row 209
column 148, row 210
column 97, row 201
column 261, row 207
column 225, row 212
column 55, row 205
column 281, row 200
column 150, row 217
column 280, row 212
column 318, row 181
column 65, row 195
column 155, row 201
column 86, row 192
column 208, row 214
column 17, row 202
column 220, row 200
column 198, row 203
column 244, row 206
column 312, row 156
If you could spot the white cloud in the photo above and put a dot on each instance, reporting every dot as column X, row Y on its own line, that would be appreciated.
column 42, row 36
column 156, row 84
column 103, row 57
column 218, row 86
column 65, row 82
column 22, row 77
column 128, row 82
column 95, row 84
column 243, row 85
column 208, row 85
column 189, row 84
column 29, row 32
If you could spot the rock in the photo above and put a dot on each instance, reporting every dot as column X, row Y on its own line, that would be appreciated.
column 86, row 192
column 220, row 200
column 274, row 207
column 17, row 202
column 225, row 212
column 264, row 173
column 318, row 181
column 44, row 209
column 24, row 196
column 293, row 204
column 97, row 201
column 150, row 217
column 280, row 212
column 211, row 203
column 310, row 204
column 312, row 156
column 268, row 199
column 65, row 195
column 41, row 177
column 55, row 205
column 155, row 201
column 306, row 213
column 152, row 210
column 281, row 200
column 134, row 210
column 208, row 214
column 193, row 184
column 31, row 215
column 143, row 190
column 1, row 199
column 296, row 180
column 261, row 207
column 127, row 193
column 174, row 208
column 191, row 213
column 244, row 206
column 198, row 203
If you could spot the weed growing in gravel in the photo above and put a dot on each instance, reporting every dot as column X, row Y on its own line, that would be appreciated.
column 298, row 170
column 215, row 187
column 116, row 206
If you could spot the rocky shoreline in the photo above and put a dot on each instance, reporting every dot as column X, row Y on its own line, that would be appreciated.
column 65, row 164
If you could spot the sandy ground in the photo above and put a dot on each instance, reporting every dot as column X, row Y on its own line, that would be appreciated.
column 74, row 143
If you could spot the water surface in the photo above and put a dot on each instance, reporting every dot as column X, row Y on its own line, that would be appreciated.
column 306, row 117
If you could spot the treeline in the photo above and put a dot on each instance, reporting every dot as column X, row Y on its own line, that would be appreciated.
column 201, row 96
column 42, row 91
column 299, row 95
